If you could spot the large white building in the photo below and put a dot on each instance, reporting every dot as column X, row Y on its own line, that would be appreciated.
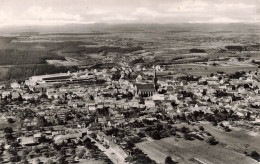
column 48, row 78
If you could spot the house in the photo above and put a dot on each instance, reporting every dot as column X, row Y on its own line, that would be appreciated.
column 149, row 103
column 92, row 107
column 158, row 97
column 37, row 136
column 111, row 123
column 28, row 96
column 102, row 120
column 76, row 104
column 59, row 139
column 5, row 94
column 94, row 127
column 27, row 141
column 15, row 95
column 101, row 136
column 15, row 85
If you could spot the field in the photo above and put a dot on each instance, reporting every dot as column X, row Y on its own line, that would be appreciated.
column 89, row 45
column 236, row 139
column 182, row 151
column 230, row 149
column 3, row 72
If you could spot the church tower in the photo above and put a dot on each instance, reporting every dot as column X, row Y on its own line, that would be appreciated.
column 155, row 80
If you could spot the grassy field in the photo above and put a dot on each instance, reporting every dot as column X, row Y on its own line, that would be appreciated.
column 182, row 151
column 91, row 161
column 236, row 139
column 196, row 69
column 3, row 72
column 230, row 149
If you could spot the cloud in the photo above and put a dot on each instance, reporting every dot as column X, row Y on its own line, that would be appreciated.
column 189, row 6
column 142, row 11
column 119, row 18
column 37, row 15
column 97, row 12
column 218, row 20
column 52, row 12
column 234, row 6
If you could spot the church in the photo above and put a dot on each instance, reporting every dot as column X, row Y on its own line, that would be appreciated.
column 147, row 89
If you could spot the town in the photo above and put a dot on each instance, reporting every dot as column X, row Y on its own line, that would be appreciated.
column 113, row 115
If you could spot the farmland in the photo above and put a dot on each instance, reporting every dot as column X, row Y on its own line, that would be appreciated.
column 177, row 46
column 230, row 149
column 183, row 151
column 149, row 92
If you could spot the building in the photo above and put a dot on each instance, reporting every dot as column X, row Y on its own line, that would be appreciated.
column 145, row 89
column 15, row 85
column 51, row 78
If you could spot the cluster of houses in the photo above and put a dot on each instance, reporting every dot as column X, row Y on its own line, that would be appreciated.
column 71, row 100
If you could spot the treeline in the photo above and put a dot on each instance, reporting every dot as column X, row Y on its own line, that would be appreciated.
column 234, row 48
column 139, row 60
column 20, row 57
column 200, row 59
column 22, row 72
column 195, row 50
column 188, row 78
column 237, row 75
column 101, row 49
column 243, row 48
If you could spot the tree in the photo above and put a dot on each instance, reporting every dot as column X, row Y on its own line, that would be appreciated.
column 248, row 115
column 91, row 97
column 81, row 153
column 87, row 143
column 187, row 136
column 49, row 161
column 141, row 134
column 214, row 123
column 2, row 147
column 24, row 161
column 130, row 95
column 184, row 129
column 41, row 121
column 255, row 155
column 156, row 135
column 10, row 120
column 168, row 160
column 15, row 158
column 174, row 104
column 62, row 160
column 212, row 141
column 8, row 130
column 201, row 128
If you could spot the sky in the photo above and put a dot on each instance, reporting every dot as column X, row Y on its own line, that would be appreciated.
column 60, row 12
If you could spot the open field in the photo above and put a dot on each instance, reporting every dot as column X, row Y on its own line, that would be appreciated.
column 236, row 139
column 203, row 69
column 183, row 150
column 3, row 72
column 91, row 161
column 230, row 149
column 171, row 44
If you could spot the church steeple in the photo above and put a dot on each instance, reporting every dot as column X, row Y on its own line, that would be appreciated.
column 155, row 80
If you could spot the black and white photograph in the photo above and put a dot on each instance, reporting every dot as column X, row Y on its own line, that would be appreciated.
column 129, row 81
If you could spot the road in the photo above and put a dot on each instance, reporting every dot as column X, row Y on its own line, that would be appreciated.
column 113, row 156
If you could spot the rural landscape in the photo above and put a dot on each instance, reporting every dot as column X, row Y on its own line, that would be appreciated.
column 186, row 93
column 156, row 88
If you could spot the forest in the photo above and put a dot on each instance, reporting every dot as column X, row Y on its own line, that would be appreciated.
column 21, row 57
column 22, row 72
column 100, row 49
